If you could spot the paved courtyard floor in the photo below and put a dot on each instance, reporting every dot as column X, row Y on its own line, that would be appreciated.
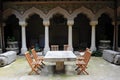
column 98, row 69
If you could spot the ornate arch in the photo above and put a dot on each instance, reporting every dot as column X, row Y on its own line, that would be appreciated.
column 10, row 11
column 32, row 11
column 84, row 10
column 58, row 10
column 106, row 10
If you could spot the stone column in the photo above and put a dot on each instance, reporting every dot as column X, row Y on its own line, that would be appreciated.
column 2, row 37
column 115, row 37
column 24, row 48
column 46, row 24
column 0, row 40
column 93, row 45
column 70, row 23
column 1, row 19
column 118, row 24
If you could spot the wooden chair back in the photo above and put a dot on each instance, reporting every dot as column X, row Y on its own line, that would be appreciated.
column 29, row 59
column 54, row 47
column 87, row 57
column 34, row 54
column 65, row 47
column 36, row 57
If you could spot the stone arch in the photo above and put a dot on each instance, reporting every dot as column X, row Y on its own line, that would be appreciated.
column 83, row 10
column 106, row 10
column 10, row 11
column 32, row 11
column 58, row 10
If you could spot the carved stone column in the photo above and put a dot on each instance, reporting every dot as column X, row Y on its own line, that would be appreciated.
column 93, row 44
column 115, row 37
column 46, row 23
column 118, row 23
column 70, row 23
column 24, row 48
column 0, row 39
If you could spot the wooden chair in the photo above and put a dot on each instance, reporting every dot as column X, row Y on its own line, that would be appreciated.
column 65, row 47
column 83, row 57
column 54, row 47
column 33, row 64
column 37, row 58
column 83, row 62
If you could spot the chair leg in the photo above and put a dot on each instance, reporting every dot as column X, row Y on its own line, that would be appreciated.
column 82, row 69
column 30, row 73
column 76, row 68
column 86, row 72
column 43, row 63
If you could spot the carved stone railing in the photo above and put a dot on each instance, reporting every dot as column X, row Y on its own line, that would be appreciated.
column 12, row 46
column 104, row 44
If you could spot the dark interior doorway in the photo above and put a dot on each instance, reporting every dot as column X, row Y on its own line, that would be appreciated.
column 58, row 31
column 81, row 32
column 12, row 30
column 35, row 32
column 104, row 29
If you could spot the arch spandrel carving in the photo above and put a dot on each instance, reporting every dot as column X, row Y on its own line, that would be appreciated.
column 9, row 12
column 58, row 10
column 31, row 11
column 83, row 10
column 106, row 10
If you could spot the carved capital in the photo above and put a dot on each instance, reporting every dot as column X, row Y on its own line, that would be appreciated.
column 93, row 23
column 113, row 23
column 46, row 22
column 3, row 24
column 70, row 22
column 22, row 23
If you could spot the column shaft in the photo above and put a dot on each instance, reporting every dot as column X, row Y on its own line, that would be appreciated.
column 46, row 48
column 24, row 48
column 93, row 45
column 70, row 46
column 0, row 40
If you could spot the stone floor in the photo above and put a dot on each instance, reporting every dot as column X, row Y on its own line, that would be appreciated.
column 98, row 69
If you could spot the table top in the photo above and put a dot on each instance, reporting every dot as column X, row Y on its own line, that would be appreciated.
column 59, row 55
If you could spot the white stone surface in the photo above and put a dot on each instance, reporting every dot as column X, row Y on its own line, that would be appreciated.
column 59, row 55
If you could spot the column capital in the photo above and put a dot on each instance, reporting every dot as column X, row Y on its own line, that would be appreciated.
column 93, row 23
column 22, row 23
column 70, row 22
column 113, row 23
column 46, row 22
column 3, row 24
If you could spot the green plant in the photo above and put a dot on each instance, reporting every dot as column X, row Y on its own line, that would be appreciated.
column 97, row 53
column 11, row 38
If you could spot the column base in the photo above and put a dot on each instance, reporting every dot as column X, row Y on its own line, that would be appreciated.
column 0, row 50
column 46, row 49
column 70, row 48
column 93, row 48
column 23, row 50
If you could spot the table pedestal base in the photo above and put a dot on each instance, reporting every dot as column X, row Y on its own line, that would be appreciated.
column 60, row 66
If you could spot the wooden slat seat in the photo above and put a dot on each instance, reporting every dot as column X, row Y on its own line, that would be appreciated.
column 54, row 47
